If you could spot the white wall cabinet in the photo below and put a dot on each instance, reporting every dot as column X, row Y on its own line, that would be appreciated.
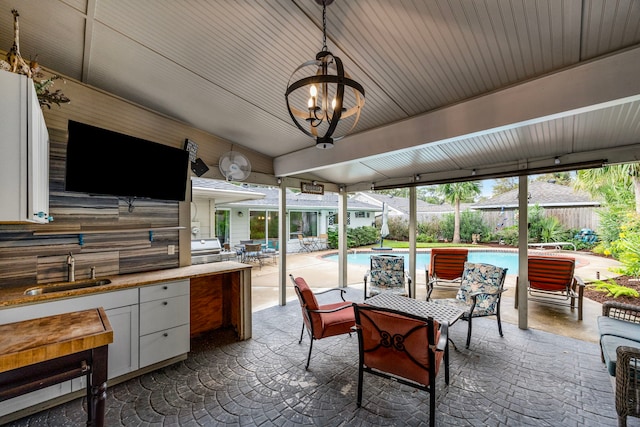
column 24, row 153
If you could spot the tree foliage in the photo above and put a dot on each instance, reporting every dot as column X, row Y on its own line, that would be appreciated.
column 457, row 192
column 503, row 185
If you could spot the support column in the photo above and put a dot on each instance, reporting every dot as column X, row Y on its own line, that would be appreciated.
column 523, row 240
column 342, row 239
column 282, row 245
column 413, row 233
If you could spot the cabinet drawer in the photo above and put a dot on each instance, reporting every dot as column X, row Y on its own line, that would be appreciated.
column 164, row 345
column 164, row 290
column 163, row 313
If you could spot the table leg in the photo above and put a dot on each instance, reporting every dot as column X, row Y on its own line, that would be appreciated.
column 97, row 388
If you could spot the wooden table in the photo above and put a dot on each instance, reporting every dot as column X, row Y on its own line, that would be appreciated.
column 425, row 309
column 38, row 353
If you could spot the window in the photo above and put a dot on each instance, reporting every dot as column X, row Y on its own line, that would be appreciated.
column 222, row 225
column 305, row 223
column 263, row 225
column 333, row 219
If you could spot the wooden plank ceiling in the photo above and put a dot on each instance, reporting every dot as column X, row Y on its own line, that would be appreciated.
column 452, row 86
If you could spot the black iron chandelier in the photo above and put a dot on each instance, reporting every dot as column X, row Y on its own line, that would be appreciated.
column 318, row 104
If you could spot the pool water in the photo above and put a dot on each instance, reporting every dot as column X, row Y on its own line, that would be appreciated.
column 501, row 259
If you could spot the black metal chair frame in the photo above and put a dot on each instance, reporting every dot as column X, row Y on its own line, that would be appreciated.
column 406, row 277
column 306, row 312
column 397, row 342
column 468, row 315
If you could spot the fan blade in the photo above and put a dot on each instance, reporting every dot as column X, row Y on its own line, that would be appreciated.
column 241, row 160
column 225, row 162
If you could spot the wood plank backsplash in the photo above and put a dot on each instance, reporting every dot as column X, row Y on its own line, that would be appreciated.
column 27, row 255
column 27, row 258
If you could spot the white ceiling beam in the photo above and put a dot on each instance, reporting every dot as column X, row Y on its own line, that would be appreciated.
column 601, row 83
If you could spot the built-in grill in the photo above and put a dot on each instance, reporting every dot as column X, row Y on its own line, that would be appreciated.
column 204, row 251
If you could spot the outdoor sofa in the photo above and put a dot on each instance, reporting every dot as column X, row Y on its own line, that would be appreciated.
column 619, row 328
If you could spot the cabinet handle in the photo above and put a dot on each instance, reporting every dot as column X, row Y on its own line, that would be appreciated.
column 165, row 303
column 165, row 288
column 165, row 335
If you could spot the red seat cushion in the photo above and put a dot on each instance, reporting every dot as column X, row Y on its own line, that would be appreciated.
column 335, row 323
column 554, row 274
column 448, row 264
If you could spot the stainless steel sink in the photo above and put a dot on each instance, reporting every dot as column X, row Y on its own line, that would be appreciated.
column 66, row 286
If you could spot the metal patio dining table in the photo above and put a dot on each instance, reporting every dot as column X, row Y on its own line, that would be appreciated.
column 424, row 309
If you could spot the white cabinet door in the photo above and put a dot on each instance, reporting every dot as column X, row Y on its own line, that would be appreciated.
column 164, row 345
column 123, row 352
column 24, row 152
column 38, row 160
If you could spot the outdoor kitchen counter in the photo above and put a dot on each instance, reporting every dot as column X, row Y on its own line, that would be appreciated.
column 220, row 293
column 14, row 295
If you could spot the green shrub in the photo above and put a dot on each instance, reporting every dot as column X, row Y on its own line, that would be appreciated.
column 509, row 235
column 426, row 238
column 398, row 228
column 470, row 223
column 360, row 236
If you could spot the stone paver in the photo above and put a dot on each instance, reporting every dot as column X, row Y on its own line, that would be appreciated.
column 527, row 378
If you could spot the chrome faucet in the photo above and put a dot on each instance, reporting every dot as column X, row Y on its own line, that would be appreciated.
column 71, row 267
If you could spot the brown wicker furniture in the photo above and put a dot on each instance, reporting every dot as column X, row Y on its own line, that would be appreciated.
column 552, row 281
column 619, row 328
column 322, row 321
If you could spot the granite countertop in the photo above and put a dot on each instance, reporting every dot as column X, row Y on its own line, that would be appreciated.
column 13, row 296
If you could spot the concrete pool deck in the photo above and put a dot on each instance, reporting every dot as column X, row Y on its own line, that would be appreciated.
column 322, row 273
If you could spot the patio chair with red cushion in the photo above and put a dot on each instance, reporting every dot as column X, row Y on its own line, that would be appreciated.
column 480, row 293
column 401, row 347
column 325, row 320
column 446, row 267
column 552, row 281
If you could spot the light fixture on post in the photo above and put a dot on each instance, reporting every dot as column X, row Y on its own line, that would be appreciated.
column 318, row 104
column 556, row 161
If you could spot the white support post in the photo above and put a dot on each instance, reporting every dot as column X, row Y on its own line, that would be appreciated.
column 523, row 240
column 413, row 232
column 342, row 240
column 282, row 246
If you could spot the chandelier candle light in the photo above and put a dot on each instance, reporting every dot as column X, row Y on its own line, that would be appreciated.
column 325, row 110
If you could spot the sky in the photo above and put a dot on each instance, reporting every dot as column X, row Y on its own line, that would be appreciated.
column 487, row 187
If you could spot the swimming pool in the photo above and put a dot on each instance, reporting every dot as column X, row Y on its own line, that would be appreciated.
column 501, row 259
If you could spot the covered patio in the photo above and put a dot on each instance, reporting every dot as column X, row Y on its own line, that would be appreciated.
column 529, row 377
column 547, row 375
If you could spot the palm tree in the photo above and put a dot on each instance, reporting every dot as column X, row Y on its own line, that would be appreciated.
column 612, row 182
column 454, row 193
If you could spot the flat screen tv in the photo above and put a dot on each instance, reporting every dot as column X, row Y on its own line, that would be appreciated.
column 101, row 161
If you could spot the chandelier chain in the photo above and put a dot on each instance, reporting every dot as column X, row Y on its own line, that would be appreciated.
column 324, row 25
